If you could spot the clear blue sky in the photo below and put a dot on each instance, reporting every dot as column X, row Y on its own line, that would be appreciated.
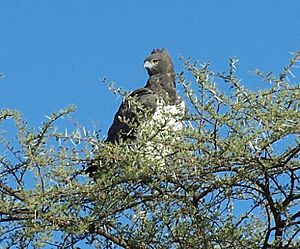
column 55, row 53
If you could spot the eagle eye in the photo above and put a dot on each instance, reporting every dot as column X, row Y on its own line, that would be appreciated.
column 155, row 61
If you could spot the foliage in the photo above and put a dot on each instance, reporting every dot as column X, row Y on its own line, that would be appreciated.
column 230, row 179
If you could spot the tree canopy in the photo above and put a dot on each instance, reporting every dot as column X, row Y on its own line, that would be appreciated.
column 230, row 179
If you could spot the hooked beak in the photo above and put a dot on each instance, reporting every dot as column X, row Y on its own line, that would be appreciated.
column 148, row 65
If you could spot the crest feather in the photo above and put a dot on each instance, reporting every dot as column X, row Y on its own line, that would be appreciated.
column 159, row 50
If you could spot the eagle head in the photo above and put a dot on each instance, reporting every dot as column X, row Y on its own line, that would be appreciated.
column 159, row 62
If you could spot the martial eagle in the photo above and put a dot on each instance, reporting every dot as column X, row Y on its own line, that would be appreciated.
column 158, row 98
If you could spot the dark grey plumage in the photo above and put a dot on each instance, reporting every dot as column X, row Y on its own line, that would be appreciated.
column 160, row 88
column 121, row 130
column 159, row 62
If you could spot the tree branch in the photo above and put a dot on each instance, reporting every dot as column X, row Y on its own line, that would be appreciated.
column 11, row 191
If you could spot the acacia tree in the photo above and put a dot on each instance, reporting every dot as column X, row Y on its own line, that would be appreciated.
column 230, row 178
